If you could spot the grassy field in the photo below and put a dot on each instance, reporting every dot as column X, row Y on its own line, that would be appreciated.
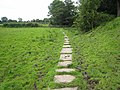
column 97, row 57
column 28, row 57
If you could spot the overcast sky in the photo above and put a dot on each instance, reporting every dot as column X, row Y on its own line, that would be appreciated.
column 25, row 9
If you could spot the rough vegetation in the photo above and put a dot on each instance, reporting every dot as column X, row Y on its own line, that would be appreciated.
column 97, row 56
column 28, row 57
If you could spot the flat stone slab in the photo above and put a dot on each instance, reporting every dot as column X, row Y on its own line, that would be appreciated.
column 66, row 39
column 66, row 57
column 66, row 46
column 65, row 70
column 65, row 63
column 66, row 50
column 64, row 78
column 74, row 88
column 66, row 43
column 65, row 36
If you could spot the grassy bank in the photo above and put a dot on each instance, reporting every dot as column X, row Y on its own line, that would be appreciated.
column 97, row 56
column 28, row 57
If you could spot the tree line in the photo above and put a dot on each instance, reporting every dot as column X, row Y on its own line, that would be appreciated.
column 5, row 20
column 84, row 15
column 87, row 15
column 20, row 23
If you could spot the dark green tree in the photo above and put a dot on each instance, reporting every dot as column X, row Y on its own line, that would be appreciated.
column 69, row 12
column 4, row 19
column 10, row 20
column 93, row 13
column 46, row 20
column 108, row 6
column 62, row 13
column 87, row 14
column 20, row 19
column 118, row 7
column 0, row 21
column 56, row 11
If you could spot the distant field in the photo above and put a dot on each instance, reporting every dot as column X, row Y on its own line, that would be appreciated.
column 28, row 57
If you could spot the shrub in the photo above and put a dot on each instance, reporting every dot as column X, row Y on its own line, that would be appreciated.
column 102, row 18
column 20, row 25
column 88, row 16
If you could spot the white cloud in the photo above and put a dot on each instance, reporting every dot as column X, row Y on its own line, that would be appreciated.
column 26, row 9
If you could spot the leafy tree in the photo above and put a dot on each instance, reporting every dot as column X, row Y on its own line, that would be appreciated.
column 37, row 20
column 46, row 20
column 108, row 6
column 118, row 7
column 70, row 12
column 92, row 13
column 87, row 13
column 56, row 11
column 4, row 19
column 33, row 20
column 62, row 13
column 10, row 20
column 0, row 21
column 20, row 19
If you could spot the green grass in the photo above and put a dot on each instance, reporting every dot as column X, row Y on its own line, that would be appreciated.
column 98, row 54
column 28, row 57
column 1, row 25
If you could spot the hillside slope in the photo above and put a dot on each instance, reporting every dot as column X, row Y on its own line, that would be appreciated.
column 97, row 56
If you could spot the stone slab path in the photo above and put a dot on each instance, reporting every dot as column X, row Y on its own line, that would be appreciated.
column 66, row 57
column 64, row 78
column 66, row 43
column 65, row 61
column 66, row 51
column 65, row 70
column 66, row 46
column 75, row 88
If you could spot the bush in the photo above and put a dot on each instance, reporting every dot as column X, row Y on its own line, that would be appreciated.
column 102, row 18
column 90, row 21
column 88, row 16
column 16, row 25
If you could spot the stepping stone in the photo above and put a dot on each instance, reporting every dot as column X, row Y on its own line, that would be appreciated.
column 66, row 46
column 64, row 78
column 65, row 63
column 66, row 43
column 66, row 57
column 66, row 39
column 66, row 36
column 66, row 50
column 74, row 88
column 65, row 70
